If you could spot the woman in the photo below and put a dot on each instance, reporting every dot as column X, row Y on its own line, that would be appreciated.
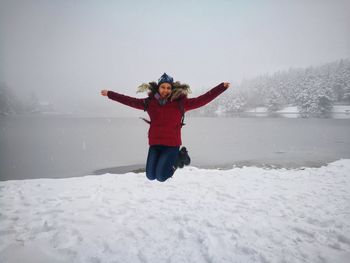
column 166, row 102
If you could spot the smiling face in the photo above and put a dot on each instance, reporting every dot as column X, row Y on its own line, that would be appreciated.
column 164, row 90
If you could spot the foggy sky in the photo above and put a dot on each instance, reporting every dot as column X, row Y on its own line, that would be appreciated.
column 67, row 51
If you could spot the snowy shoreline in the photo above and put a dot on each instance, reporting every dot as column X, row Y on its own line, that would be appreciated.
column 288, row 165
column 246, row 214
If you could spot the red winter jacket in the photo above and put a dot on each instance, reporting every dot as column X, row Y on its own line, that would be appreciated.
column 165, row 127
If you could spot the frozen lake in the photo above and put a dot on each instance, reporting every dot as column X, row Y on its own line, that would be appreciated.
column 66, row 146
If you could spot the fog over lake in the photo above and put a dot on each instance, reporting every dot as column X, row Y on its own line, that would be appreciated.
column 65, row 52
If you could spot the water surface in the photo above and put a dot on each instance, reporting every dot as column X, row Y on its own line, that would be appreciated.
column 64, row 146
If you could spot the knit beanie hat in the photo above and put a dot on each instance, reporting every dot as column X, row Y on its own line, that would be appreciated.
column 165, row 79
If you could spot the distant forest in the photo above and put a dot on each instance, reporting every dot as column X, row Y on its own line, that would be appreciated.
column 313, row 90
column 11, row 104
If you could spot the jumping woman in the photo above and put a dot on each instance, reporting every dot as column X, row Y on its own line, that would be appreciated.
column 166, row 104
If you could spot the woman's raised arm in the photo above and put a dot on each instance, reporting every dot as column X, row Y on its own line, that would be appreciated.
column 194, row 103
column 126, row 100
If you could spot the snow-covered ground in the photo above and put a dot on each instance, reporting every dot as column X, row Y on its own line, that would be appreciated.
column 244, row 214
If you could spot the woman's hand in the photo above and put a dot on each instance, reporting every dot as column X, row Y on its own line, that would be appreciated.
column 104, row 92
column 226, row 84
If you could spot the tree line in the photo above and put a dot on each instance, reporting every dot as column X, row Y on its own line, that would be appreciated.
column 313, row 90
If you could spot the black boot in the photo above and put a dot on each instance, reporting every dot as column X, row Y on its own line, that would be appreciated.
column 183, row 158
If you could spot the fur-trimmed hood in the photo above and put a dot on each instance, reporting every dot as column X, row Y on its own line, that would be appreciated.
column 179, row 90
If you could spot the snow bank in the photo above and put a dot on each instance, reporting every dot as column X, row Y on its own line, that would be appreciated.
column 244, row 214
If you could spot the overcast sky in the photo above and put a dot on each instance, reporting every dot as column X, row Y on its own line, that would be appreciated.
column 67, row 51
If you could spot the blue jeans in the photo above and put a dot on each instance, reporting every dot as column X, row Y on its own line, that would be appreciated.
column 160, row 161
